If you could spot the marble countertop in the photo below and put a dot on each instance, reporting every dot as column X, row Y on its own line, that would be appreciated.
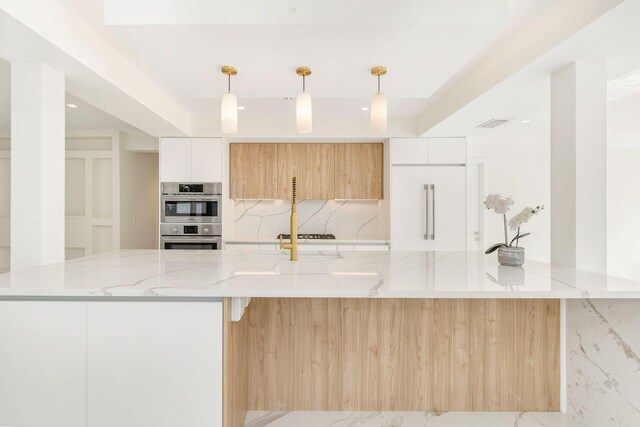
column 154, row 273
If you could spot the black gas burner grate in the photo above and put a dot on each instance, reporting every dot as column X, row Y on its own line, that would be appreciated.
column 309, row 236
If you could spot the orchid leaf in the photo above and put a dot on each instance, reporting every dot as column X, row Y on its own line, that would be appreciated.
column 519, row 236
column 494, row 248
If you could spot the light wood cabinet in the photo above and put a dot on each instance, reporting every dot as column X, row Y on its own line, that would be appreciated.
column 324, row 171
column 358, row 173
column 292, row 161
column 314, row 167
column 320, row 182
column 253, row 171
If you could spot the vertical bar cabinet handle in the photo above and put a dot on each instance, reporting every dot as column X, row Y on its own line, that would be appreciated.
column 433, row 212
column 426, row 212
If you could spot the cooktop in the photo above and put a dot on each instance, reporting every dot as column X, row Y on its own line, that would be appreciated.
column 311, row 236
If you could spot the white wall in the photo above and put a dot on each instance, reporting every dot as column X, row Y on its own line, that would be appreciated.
column 623, row 188
column 516, row 160
column 138, row 191
column 517, row 157
column 138, row 168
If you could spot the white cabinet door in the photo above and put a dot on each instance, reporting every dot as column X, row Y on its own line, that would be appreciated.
column 154, row 364
column 448, row 151
column 175, row 159
column 408, row 208
column 206, row 160
column 409, row 151
column 448, row 211
column 43, row 364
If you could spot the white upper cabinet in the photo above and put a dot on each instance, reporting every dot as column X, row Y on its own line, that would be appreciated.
column 432, row 151
column 206, row 160
column 190, row 160
column 450, row 151
column 175, row 159
column 409, row 151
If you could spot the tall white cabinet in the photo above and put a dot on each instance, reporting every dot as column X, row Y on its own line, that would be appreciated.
column 190, row 159
column 428, row 194
column 111, row 363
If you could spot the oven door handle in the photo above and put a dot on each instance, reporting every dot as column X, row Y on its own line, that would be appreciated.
column 191, row 239
column 177, row 198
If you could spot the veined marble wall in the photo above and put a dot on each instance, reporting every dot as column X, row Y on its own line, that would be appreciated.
column 603, row 362
column 347, row 219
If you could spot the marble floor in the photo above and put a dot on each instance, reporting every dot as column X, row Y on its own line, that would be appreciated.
column 407, row 419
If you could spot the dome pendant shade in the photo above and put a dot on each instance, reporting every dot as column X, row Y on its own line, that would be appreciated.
column 304, row 114
column 229, row 113
column 379, row 113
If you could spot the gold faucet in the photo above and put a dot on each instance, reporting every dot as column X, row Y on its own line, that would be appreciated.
column 293, row 245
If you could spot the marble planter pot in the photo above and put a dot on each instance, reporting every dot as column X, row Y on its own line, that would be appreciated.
column 511, row 256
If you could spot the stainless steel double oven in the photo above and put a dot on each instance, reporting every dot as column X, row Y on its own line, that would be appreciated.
column 191, row 215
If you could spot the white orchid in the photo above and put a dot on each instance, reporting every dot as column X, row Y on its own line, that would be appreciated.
column 499, row 204
column 523, row 217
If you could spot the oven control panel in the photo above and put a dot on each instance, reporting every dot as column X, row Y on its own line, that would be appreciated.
column 190, row 188
column 191, row 229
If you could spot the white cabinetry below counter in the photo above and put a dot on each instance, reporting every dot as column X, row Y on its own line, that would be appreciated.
column 111, row 363
column 43, row 364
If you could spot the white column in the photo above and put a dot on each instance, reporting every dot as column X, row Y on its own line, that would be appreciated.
column 37, row 165
column 579, row 166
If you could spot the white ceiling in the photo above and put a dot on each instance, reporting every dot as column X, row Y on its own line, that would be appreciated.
column 614, row 37
column 423, row 46
column 422, row 56
column 85, row 117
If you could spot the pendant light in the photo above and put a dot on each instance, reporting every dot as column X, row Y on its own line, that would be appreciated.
column 304, row 121
column 379, row 104
column 229, row 104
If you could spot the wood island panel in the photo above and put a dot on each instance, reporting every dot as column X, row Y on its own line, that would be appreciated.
column 235, row 361
column 318, row 354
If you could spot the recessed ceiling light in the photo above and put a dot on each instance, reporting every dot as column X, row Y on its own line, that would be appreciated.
column 524, row 122
column 364, row 109
column 241, row 108
column 72, row 106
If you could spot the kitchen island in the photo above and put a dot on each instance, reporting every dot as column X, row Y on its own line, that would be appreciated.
column 164, row 332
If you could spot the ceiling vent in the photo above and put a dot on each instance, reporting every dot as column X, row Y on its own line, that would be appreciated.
column 493, row 123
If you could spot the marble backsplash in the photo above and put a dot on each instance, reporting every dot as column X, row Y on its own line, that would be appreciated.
column 346, row 219
column 603, row 362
